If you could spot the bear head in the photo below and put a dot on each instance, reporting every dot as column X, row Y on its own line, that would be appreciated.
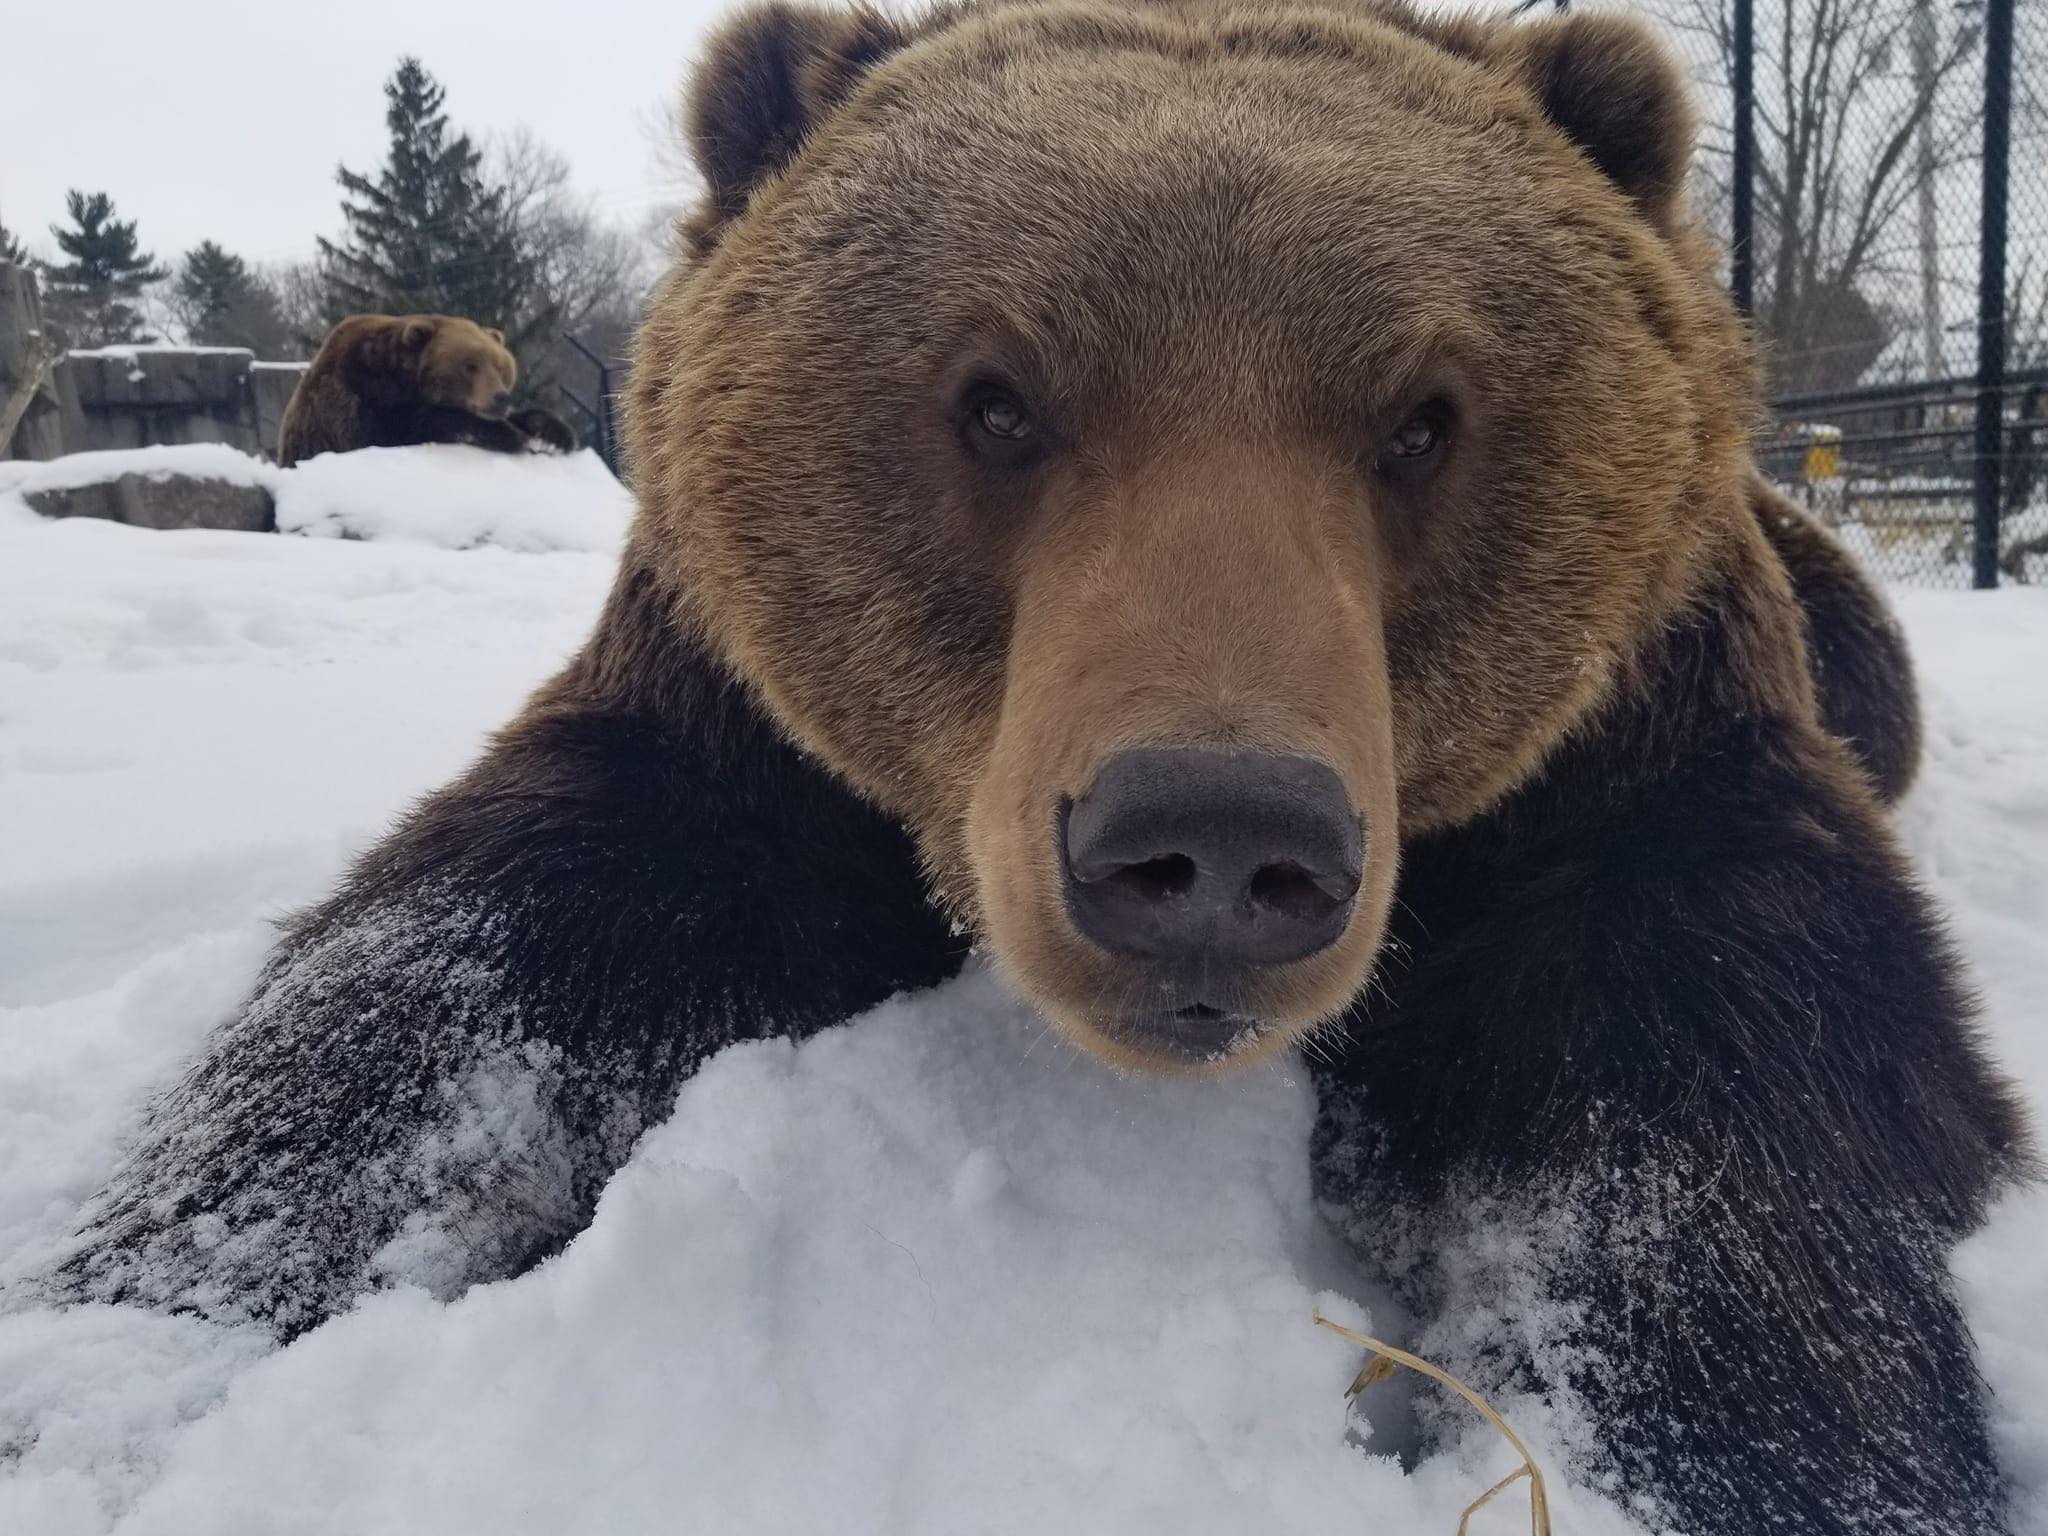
column 1166, row 452
column 455, row 362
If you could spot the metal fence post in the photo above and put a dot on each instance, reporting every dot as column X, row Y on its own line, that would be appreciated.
column 608, row 419
column 604, row 418
column 1990, row 439
column 1742, row 258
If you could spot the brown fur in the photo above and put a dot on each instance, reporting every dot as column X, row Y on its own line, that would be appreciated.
column 382, row 381
column 1207, row 556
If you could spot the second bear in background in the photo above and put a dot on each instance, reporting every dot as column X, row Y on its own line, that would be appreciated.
column 390, row 381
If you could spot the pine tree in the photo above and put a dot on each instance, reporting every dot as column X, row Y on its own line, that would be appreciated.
column 12, row 250
column 221, row 303
column 92, row 296
column 430, row 233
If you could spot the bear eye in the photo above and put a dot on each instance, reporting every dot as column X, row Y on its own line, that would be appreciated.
column 1421, row 434
column 999, row 414
column 1418, row 441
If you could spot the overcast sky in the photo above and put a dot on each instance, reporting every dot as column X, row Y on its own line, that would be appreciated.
column 225, row 119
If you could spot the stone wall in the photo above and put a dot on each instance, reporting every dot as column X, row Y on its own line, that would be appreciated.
column 134, row 397
column 271, row 386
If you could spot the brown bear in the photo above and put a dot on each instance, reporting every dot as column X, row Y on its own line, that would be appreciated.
column 390, row 381
column 1250, row 503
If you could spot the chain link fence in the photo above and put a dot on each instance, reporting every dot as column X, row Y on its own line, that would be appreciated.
column 1879, row 170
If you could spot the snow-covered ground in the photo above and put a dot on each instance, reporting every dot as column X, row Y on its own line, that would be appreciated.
column 931, row 1272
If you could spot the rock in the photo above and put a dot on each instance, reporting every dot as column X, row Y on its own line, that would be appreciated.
column 163, row 501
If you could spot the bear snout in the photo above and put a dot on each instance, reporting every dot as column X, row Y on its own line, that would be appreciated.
column 1211, row 864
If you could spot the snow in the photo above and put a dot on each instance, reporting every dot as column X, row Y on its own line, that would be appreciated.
column 197, row 461
column 930, row 1272
column 454, row 496
column 128, row 350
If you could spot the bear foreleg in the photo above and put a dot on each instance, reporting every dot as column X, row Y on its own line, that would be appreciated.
column 543, row 426
column 441, row 1065
column 1677, row 1126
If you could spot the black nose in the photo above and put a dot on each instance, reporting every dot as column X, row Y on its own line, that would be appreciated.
column 1227, row 858
column 502, row 399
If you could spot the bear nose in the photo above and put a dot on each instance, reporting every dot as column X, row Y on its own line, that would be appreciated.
column 1225, row 858
column 501, row 399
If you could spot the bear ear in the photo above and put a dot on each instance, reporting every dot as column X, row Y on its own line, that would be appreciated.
column 766, row 79
column 417, row 333
column 1608, row 83
column 495, row 334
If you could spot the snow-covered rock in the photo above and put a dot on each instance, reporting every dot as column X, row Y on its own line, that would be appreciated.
column 188, row 461
column 449, row 495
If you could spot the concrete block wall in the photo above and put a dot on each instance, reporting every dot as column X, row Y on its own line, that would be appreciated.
column 134, row 397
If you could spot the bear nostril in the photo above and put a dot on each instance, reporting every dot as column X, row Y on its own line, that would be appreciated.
column 1159, row 879
column 1290, row 891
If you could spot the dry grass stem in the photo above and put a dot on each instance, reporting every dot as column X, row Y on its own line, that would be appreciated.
column 1380, row 1365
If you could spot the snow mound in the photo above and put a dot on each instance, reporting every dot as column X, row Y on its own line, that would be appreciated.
column 928, row 1273
column 457, row 497
column 449, row 495
column 134, row 348
column 910, row 1277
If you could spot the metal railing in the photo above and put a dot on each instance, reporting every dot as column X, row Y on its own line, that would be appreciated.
column 599, row 417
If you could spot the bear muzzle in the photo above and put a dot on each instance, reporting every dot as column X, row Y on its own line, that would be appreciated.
column 1208, row 868
column 1211, row 861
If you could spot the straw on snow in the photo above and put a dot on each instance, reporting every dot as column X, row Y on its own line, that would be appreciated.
column 1380, row 1365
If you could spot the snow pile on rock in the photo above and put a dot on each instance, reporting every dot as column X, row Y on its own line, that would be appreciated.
column 196, row 461
column 453, row 496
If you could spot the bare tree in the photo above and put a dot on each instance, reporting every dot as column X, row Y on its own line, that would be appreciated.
column 595, row 273
column 300, row 288
column 1849, row 126
column 666, row 130
column 2026, row 434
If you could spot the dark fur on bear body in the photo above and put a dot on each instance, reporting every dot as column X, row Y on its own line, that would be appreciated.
column 1668, row 1002
column 393, row 381
column 1863, row 678
column 1740, row 1142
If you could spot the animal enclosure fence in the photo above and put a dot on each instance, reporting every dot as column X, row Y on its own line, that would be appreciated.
column 1878, row 170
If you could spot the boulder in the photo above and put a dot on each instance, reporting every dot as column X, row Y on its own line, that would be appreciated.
column 163, row 501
